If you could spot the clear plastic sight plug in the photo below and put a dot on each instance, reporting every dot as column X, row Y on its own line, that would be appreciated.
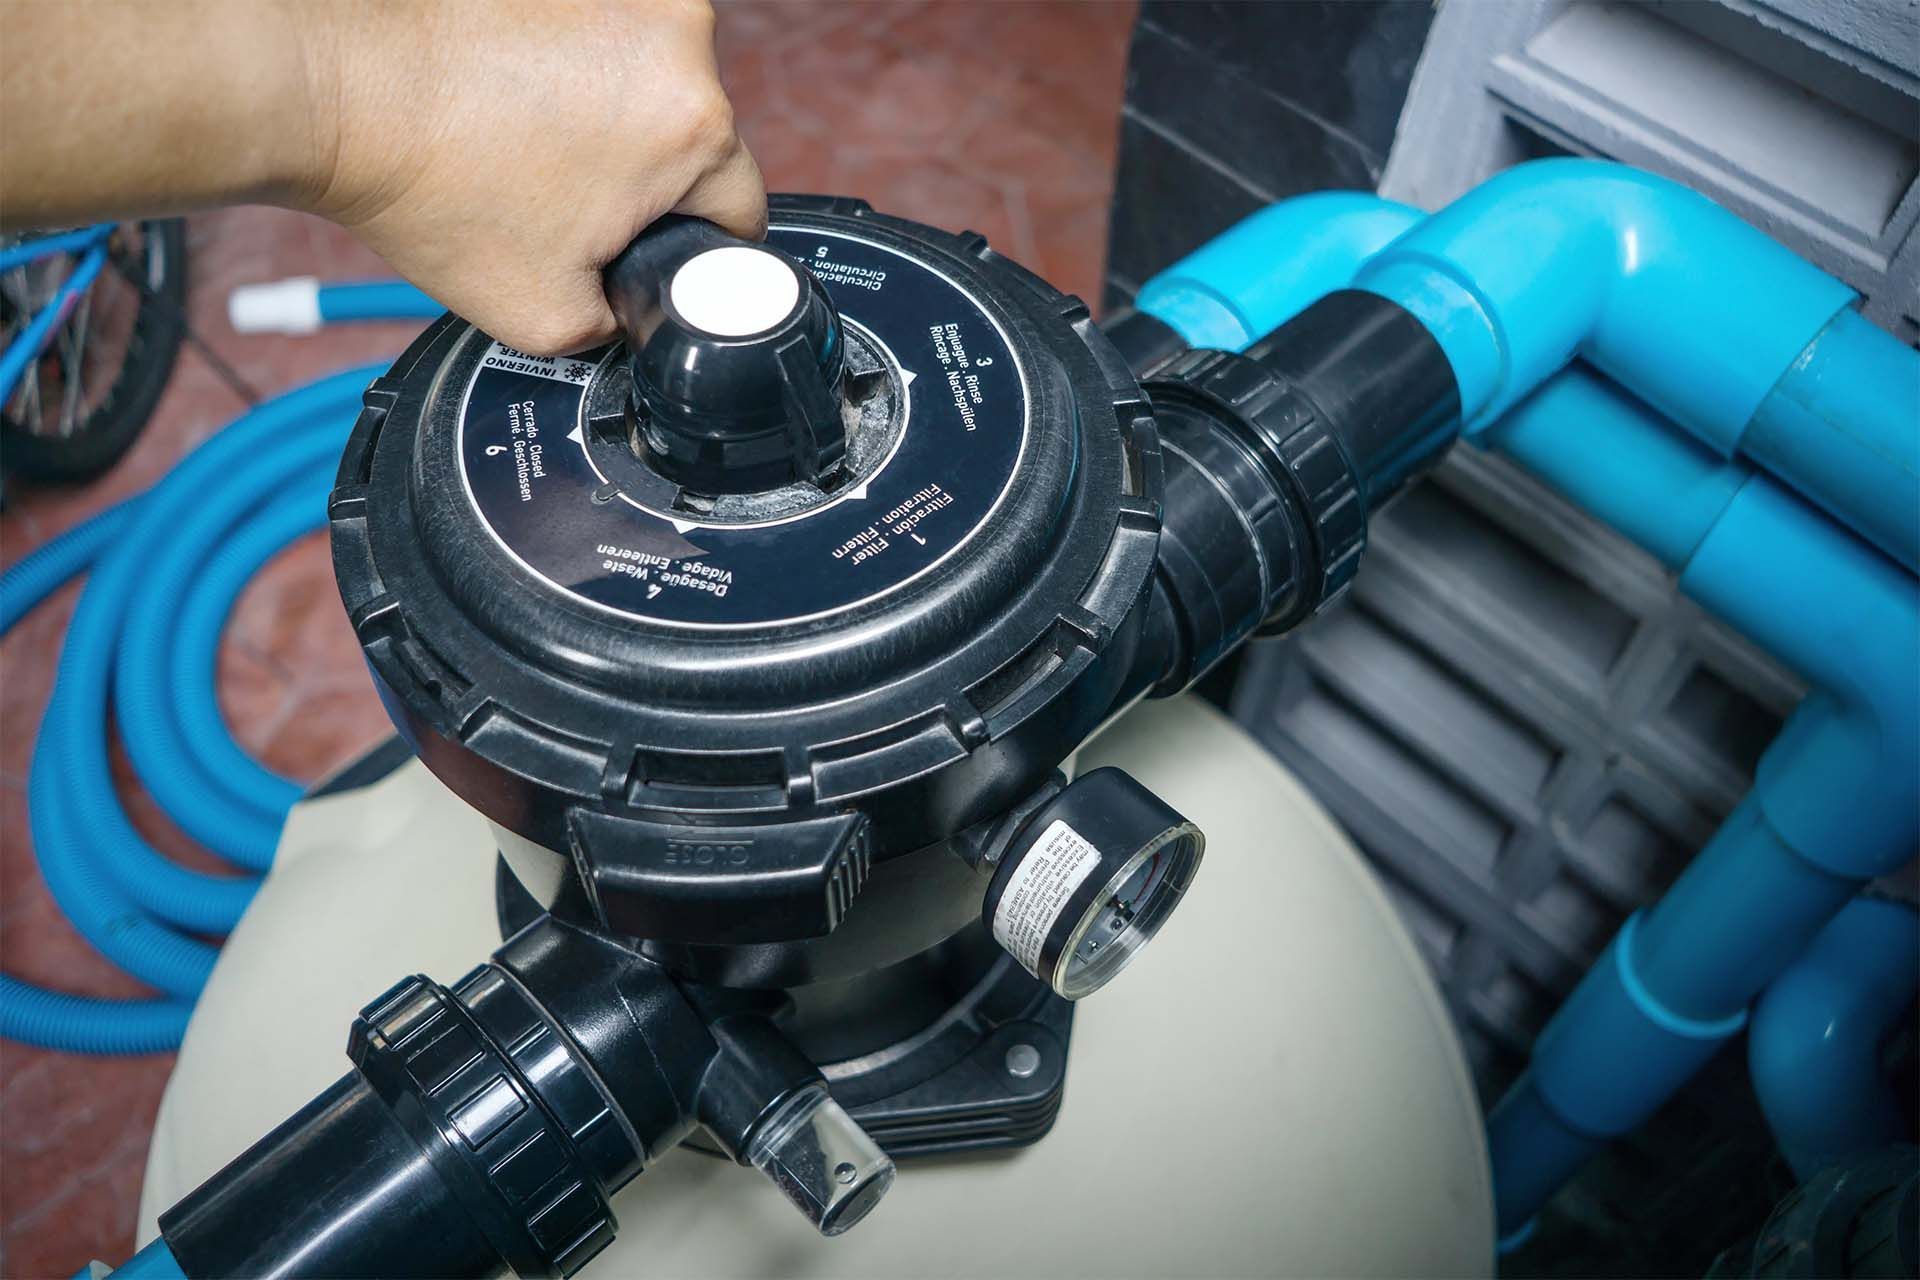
column 822, row 1160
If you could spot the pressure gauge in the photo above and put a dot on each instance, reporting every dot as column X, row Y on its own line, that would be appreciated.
column 1090, row 879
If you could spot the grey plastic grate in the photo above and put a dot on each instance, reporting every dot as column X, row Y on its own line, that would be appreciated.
column 1523, row 727
column 1801, row 116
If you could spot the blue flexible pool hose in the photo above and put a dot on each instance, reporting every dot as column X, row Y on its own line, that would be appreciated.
column 192, row 674
column 375, row 300
column 166, row 569
column 201, row 501
column 45, row 571
column 81, row 1024
column 214, row 791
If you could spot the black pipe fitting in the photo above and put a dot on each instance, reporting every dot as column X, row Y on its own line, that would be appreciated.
column 1377, row 378
column 753, row 1070
column 1275, row 460
column 471, row 1139
column 486, row 1126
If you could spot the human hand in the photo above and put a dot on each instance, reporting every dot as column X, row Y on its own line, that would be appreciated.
column 499, row 154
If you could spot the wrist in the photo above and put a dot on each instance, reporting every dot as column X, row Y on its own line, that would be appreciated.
column 361, row 64
column 310, row 129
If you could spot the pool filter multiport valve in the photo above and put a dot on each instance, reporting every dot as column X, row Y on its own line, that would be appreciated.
column 763, row 640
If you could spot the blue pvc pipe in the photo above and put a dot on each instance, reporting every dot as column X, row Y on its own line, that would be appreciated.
column 1661, row 488
column 1844, row 422
column 1248, row 280
column 155, row 1262
column 1623, row 1042
column 1704, row 319
column 1836, row 800
column 1813, row 1046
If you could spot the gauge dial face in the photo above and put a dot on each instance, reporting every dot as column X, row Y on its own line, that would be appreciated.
column 1117, row 911
column 964, row 415
column 1131, row 908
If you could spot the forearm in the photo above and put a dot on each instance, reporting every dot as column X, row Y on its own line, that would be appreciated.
column 112, row 109
column 498, row 153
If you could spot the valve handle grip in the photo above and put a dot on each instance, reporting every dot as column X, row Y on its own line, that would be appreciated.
column 635, row 280
column 736, row 358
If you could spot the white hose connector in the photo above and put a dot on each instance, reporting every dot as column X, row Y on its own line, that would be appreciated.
column 275, row 306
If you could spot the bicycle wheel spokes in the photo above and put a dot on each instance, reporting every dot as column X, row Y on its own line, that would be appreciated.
column 55, row 393
column 73, row 356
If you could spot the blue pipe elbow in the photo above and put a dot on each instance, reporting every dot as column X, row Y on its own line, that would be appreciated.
column 1649, row 281
column 1815, row 1039
column 1841, row 783
column 1266, row 268
column 1813, row 1047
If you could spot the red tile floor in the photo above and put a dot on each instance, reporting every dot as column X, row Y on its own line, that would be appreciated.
column 996, row 117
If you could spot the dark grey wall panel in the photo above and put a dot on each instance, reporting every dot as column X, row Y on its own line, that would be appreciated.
column 1232, row 106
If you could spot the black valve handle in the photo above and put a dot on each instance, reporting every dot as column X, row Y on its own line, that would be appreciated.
column 728, row 406
column 636, row 281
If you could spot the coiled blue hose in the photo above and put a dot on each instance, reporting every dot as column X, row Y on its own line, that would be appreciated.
column 81, row 1024
column 234, row 809
column 192, row 675
column 167, row 567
